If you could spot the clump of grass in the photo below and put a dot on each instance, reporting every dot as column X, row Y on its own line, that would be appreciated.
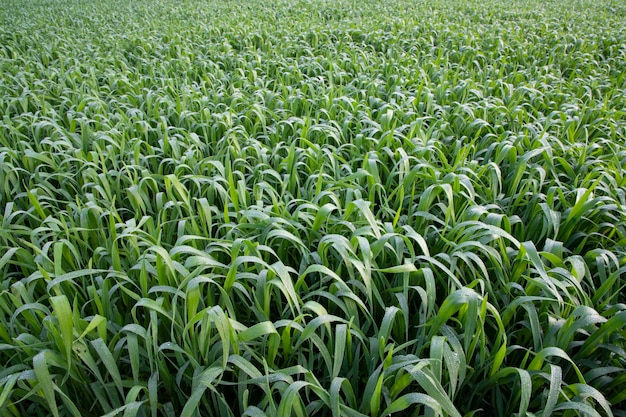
column 312, row 208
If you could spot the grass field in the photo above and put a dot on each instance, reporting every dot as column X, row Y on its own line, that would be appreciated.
column 312, row 208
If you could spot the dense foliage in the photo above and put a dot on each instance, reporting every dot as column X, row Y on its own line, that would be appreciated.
column 312, row 207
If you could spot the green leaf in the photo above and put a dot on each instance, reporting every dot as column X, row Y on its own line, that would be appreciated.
column 40, row 366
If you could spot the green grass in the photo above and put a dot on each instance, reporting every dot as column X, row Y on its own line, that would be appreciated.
column 333, row 208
